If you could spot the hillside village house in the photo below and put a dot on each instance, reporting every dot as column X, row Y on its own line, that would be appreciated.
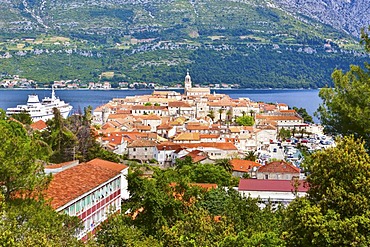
column 278, row 170
column 90, row 191
column 272, row 191
column 242, row 168
column 141, row 149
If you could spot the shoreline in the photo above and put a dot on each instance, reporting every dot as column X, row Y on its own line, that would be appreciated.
column 154, row 89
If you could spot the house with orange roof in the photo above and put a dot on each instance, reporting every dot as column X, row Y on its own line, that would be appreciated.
column 282, row 121
column 141, row 149
column 279, row 170
column 180, row 108
column 214, row 150
column 115, row 142
column 186, row 137
column 166, row 130
column 163, row 153
column 211, row 138
column 39, row 125
column 242, row 167
column 89, row 191
column 198, row 156
column 197, row 128
column 151, row 120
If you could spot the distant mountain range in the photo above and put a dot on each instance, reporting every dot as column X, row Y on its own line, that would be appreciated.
column 253, row 43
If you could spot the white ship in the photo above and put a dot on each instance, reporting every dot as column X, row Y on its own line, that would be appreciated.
column 42, row 110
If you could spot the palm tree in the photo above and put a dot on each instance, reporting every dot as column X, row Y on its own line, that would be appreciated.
column 220, row 111
column 251, row 155
column 225, row 163
column 243, row 113
column 229, row 115
column 251, row 112
column 211, row 114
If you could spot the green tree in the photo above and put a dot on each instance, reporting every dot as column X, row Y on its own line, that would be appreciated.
column 284, row 134
column 23, row 117
column 80, row 126
column 62, row 141
column 208, row 173
column 116, row 231
column 337, row 209
column 211, row 115
column 365, row 40
column 198, row 228
column 229, row 115
column 245, row 121
column 32, row 223
column 186, row 161
column 21, row 169
column 345, row 109
column 304, row 114
column 220, row 111
column 251, row 155
column 225, row 164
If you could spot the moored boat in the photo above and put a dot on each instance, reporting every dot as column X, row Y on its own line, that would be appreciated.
column 42, row 110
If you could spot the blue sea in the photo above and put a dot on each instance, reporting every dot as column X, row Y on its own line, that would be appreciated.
column 306, row 98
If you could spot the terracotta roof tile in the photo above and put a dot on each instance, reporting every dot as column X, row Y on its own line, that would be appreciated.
column 277, row 118
column 71, row 183
column 197, row 155
column 243, row 165
column 279, row 167
column 219, row 145
column 271, row 185
column 107, row 164
column 39, row 125
column 197, row 127
column 187, row 137
column 178, row 104
column 142, row 143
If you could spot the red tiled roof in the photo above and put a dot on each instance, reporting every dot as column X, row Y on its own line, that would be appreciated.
column 39, row 125
column 152, row 107
column 197, row 155
column 279, row 167
column 178, row 104
column 209, row 136
column 271, row 185
column 186, row 136
column 168, row 146
column 197, row 127
column 277, row 118
column 142, row 143
column 149, row 117
column 71, row 183
column 107, row 164
column 243, row 165
column 219, row 145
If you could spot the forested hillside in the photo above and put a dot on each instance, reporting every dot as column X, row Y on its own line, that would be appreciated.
column 250, row 43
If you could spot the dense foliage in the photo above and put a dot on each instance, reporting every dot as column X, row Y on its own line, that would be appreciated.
column 337, row 209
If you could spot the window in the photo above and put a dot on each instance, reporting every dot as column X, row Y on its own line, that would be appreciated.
column 266, row 176
column 134, row 149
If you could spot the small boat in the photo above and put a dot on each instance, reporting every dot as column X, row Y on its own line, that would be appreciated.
column 42, row 110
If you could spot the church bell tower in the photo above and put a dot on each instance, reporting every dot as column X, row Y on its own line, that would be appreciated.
column 187, row 83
